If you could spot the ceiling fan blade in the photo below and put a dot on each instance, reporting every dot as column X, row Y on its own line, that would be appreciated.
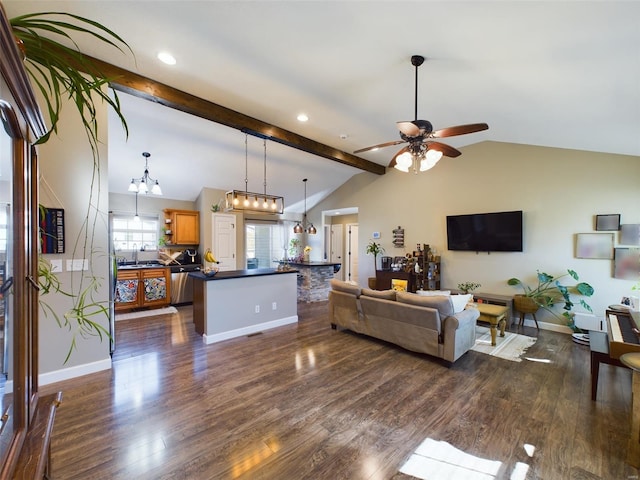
column 410, row 129
column 392, row 163
column 459, row 130
column 380, row 145
column 446, row 150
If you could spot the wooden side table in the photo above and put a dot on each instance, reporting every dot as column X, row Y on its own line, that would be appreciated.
column 632, row 360
column 494, row 315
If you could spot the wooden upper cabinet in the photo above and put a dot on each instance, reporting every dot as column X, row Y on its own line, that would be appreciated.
column 183, row 227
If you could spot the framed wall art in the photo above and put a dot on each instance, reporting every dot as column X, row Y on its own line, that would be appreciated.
column 630, row 234
column 627, row 263
column 594, row 245
column 608, row 223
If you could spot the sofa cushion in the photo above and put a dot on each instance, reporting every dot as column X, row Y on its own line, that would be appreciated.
column 460, row 302
column 385, row 294
column 442, row 303
column 345, row 287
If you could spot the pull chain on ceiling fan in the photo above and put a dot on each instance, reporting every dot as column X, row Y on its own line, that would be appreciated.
column 422, row 153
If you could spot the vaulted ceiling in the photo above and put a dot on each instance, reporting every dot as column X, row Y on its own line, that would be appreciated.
column 558, row 74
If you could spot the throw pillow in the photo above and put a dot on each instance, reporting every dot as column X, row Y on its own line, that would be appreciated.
column 460, row 302
column 384, row 294
column 433, row 293
column 442, row 303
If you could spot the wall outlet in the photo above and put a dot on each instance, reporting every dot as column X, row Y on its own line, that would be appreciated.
column 77, row 265
column 56, row 266
column 257, row 308
column 274, row 306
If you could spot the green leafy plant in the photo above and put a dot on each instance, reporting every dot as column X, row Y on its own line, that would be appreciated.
column 60, row 71
column 467, row 287
column 62, row 74
column 550, row 292
column 374, row 249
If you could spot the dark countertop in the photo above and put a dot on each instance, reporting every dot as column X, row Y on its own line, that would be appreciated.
column 254, row 272
column 313, row 264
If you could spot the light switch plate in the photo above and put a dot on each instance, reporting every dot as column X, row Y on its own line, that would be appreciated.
column 56, row 266
column 77, row 265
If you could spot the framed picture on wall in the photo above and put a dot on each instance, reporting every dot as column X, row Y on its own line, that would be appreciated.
column 608, row 223
column 630, row 234
column 627, row 263
column 594, row 245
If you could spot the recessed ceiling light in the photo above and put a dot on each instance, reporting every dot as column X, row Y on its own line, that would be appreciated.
column 302, row 117
column 167, row 58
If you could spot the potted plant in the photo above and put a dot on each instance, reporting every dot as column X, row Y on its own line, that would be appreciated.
column 549, row 292
column 61, row 72
column 374, row 249
column 468, row 287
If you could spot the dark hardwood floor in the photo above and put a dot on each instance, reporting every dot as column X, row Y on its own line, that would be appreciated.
column 307, row 402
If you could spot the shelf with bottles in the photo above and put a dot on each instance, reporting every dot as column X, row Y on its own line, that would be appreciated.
column 427, row 268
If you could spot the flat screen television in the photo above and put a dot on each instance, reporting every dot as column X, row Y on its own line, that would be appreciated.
column 485, row 232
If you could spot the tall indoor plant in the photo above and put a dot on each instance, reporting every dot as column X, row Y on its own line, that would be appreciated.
column 374, row 249
column 63, row 74
column 549, row 292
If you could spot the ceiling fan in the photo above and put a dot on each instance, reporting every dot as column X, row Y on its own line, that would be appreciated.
column 421, row 152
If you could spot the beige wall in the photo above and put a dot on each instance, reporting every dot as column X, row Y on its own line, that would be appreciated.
column 66, row 171
column 560, row 192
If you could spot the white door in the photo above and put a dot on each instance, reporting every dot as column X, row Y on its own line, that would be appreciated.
column 336, row 245
column 223, row 237
column 351, row 263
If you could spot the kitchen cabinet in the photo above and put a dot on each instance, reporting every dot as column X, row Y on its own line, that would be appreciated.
column 182, row 227
column 142, row 287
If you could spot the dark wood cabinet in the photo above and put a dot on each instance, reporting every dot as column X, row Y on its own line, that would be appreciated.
column 384, row 278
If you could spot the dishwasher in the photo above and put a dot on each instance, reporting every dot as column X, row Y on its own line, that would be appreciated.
column 182, row 284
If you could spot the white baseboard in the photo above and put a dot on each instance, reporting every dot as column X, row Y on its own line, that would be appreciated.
column 73, row 372
column 240, row 332
column 554, row 327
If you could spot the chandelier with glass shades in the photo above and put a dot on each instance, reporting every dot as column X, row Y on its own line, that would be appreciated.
column 305, row 227
column 141, row 185
column 243, row 200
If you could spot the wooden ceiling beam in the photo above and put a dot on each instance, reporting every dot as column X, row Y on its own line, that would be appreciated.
column 142, row 87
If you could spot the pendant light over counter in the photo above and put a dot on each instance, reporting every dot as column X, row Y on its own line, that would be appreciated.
column 305, row 227
column 243, row 200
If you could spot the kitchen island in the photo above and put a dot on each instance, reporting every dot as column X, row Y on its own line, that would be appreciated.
column 236, row 303
column 313, row 280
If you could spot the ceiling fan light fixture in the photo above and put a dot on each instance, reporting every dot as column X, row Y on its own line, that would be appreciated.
column 402, row 168
column 405, row 160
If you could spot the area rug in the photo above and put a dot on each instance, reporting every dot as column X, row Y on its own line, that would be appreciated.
column 510, row 347
column 146, row 313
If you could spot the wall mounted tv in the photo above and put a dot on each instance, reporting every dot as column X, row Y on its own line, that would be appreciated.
column 485, row 232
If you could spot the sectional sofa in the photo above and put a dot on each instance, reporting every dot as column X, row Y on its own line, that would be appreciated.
column 426, row 324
